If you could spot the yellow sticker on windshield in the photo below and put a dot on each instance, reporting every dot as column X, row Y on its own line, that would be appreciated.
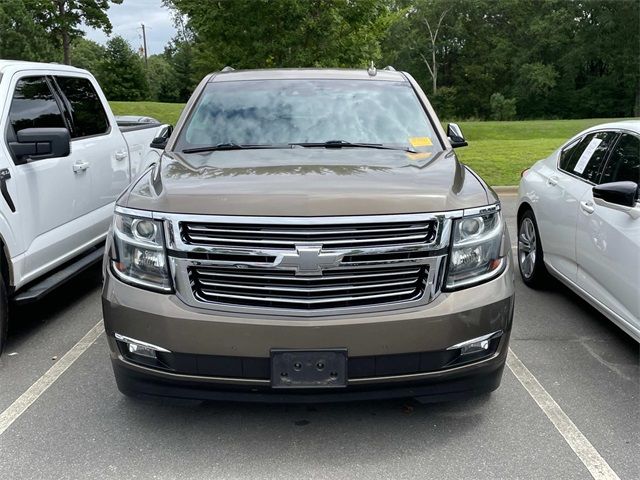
column 420, row 141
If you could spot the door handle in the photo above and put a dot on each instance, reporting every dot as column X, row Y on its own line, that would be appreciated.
column 4, row 176
column 121, row 155
column 80, row 167
column 587, row 207
column 552, row 181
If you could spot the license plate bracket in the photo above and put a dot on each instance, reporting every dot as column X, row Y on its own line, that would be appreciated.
column 325, row 368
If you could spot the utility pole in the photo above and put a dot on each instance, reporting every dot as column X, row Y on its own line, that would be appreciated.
column 144, row 42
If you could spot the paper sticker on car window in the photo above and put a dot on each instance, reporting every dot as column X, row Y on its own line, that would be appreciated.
column 420, row 141
column 586, row 155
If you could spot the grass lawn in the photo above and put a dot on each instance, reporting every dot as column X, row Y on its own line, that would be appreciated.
column 498, row 151
column 165, row 112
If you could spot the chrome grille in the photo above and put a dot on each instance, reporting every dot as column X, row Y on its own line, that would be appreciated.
column 307, row 266
column 288, row 236
column 341, row 287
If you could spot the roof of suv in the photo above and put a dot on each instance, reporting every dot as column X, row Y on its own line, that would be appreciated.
column 308, row 73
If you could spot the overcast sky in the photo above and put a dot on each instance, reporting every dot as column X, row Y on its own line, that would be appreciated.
column 126, row 19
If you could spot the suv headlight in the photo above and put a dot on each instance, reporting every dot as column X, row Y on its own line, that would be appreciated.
column 476, row 250
column 139, row 255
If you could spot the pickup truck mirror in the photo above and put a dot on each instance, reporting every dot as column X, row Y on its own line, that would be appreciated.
column 456, row 138
column 39, row 143
column 161, row 141
column 617, row 195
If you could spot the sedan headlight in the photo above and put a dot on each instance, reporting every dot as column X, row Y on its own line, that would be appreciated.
column 139, row 255
column 476, row 250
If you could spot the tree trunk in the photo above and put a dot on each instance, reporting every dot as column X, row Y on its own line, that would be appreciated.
column 66, row 44
column 434, row 75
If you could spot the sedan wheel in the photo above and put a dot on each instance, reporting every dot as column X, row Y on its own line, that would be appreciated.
column 532, row 269
column 527, row 247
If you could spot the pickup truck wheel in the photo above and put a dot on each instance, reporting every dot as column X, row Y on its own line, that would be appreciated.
column 530, row 257
column 4, row 314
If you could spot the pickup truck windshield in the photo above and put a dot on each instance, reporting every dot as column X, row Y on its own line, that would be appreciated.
column 283, row 112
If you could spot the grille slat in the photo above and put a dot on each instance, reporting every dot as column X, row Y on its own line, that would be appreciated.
column 307, row 302
column 260, row 277
column 340, row 287
column 278, row 288
column 206, row 240
column 308, row 232
column 422, row 232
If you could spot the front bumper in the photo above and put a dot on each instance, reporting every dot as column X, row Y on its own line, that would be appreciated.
column 414, row 339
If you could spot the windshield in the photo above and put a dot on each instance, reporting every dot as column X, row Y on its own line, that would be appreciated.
column 281, row 112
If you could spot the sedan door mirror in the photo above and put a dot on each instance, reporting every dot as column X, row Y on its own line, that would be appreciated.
column 39, row 143
column 456, row 138
column 621, row 196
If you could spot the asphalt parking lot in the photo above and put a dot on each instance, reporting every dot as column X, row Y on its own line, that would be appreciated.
column 568, row 407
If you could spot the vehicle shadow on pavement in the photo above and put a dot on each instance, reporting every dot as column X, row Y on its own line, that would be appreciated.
column 566, row 314
column 320, row 433
column 25, row 319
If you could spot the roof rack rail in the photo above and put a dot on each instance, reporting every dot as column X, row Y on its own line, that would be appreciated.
column 389, row 68
column 227, row 69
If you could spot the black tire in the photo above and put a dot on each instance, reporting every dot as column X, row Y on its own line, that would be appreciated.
column 530, row 256
column 4, row 313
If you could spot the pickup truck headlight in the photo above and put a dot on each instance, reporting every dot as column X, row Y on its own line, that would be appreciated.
column 139, row 256
column 476, row 250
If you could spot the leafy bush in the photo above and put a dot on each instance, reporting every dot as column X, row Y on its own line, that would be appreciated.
column 502, row 108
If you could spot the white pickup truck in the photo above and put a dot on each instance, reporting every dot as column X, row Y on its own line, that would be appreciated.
column 63, row 161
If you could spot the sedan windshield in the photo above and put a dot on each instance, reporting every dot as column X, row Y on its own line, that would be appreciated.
column 309, row 113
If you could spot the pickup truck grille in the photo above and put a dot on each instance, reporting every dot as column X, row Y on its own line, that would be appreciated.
column 341, row 287
column 330, row 236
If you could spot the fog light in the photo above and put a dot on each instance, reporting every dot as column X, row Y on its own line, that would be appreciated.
column 138, row 347
column 142, row 350
column 475, row 345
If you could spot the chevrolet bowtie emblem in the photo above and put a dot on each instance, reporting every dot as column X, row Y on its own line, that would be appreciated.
column 308, row 260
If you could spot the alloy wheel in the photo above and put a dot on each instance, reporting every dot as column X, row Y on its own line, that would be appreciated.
column 527, row 247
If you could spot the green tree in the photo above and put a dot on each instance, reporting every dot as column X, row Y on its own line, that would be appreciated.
column 502, row 108
column 180, row 55
column 556, row 58
column 62, row 19
column 122, row 72
column 286, row 33
column 163, row 80
column 21, row 36
column 87, row 54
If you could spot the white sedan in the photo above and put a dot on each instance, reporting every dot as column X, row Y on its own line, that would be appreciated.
column 579, row 220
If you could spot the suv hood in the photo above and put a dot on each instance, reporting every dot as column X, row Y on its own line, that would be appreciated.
column 306, row 182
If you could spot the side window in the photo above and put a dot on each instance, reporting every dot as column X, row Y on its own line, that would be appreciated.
column 587, row 157
column 87, row 113
column 34, row 106
column 567, row 153
column 624, row 163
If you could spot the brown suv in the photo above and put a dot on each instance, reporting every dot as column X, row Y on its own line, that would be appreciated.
column 308, row 235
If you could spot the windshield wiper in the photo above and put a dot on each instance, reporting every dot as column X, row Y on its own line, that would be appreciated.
column 231, row 146
column 343, row 143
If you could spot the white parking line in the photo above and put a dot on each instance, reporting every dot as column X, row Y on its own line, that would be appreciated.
column 586, row 452
column 18, row 407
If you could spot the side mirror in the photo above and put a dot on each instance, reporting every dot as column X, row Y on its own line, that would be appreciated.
column 621, row 196
column 456, row 138
column 39, row 143
column 161, row 142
